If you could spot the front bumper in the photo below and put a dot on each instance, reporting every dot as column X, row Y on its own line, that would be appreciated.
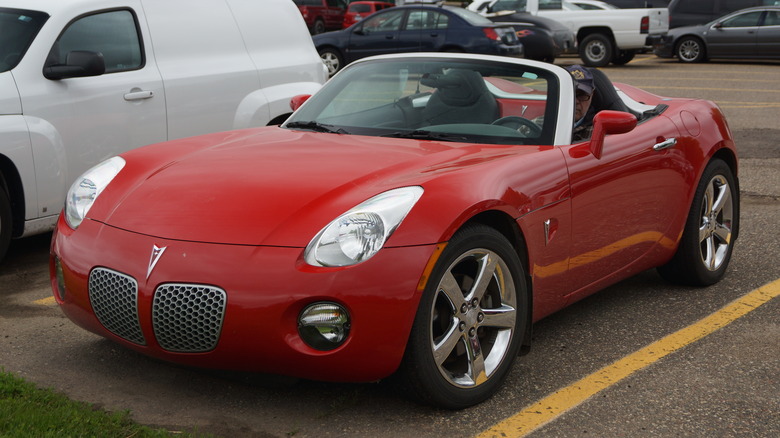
column 265, row 288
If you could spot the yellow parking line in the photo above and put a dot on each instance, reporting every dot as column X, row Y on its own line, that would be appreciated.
column 46, row 301
column 743, row 90
column 546, row 410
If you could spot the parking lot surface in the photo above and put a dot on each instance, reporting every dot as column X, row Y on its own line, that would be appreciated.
column 725, row 384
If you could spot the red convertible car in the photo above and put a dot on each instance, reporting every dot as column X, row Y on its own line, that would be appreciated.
column 413, row 218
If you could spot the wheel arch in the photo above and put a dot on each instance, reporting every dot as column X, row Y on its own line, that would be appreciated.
column 11, row 183
column 584, row 32
column 508, row 227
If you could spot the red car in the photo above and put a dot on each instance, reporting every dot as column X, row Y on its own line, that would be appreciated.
column 415, row 216
column 359, row 10
column 322, row 15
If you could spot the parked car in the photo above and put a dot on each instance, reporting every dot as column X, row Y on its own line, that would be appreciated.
column 692, row 12
column 356, row 11
column 83, row 80
column 415, row 216
column 417, row 28
column 543, row 39
column 748, row 33
column 322, row 15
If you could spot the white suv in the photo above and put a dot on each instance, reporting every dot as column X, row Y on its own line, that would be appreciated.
column 83, row 80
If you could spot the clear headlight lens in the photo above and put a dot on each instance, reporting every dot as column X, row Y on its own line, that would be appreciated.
column 85, row 190
column 361, row 232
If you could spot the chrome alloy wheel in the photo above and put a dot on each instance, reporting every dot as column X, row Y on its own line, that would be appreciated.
column 690, row 50
column 717, row 215
column 473, row 318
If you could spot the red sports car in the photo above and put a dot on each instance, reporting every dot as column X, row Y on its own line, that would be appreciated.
column 415, row 216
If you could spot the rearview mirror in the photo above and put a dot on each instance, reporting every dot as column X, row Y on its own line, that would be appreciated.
column 609, row 122
column 79, row 63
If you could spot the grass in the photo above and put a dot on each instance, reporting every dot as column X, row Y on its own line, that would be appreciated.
column 27, row 411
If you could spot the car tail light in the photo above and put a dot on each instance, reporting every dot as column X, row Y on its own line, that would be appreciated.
column 644, row 26
column 491, row 33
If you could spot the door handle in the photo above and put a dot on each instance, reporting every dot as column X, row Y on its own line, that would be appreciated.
column 139, row 95
column 666, row 144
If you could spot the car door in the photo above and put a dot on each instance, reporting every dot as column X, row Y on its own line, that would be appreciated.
column 735, row 36
column 769, row 35
column 80, row 121
column 425, row 31
column 376, row 35
column 623, row 202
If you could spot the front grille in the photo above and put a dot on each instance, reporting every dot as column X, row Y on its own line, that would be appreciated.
column 187, row 318
column 114, row 299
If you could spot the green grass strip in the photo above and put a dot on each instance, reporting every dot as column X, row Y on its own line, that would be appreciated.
column 27, row 411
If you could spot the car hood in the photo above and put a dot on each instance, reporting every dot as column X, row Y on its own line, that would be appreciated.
column 268, row 186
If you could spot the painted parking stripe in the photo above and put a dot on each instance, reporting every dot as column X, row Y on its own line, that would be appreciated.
column 46, row 301
column 548, row 409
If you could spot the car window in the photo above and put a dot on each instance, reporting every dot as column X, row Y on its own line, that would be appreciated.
column 426, row 19
column 749, row 19
column 114, row 34
column 359, row 7
column 696, row 7
column 462, row 101
column 772, row 18
column 384, row 22
column 18, row 28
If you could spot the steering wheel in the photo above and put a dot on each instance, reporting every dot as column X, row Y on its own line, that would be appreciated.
column 520, row 124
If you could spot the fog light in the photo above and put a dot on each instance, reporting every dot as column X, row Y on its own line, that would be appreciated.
column 60, row 278
column 324, row 326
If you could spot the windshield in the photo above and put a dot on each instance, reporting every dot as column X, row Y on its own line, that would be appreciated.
column 18, row 28
column 446, row 99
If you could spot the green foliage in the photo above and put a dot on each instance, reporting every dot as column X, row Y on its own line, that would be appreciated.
column 26, row 411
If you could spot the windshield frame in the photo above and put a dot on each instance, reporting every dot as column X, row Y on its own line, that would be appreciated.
column 316, row 108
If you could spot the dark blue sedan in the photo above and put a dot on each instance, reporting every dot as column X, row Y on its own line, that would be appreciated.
column 416, row 29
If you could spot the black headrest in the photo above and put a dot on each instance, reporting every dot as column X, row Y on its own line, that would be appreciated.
column 457, row 87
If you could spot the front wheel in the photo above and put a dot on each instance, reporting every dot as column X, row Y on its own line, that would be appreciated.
column 470, row 322
column 596, row 50
column 712, row 225
column 332, row 60
column 690, row 49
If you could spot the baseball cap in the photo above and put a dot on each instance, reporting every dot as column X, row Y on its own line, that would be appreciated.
column 582, row 77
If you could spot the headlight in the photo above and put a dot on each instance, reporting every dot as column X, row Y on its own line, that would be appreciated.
column 361, row 232
column 85, row 190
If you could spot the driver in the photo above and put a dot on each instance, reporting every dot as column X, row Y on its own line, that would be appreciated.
column 583, row 112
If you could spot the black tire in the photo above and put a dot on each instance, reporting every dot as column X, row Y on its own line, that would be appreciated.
column 5, row 222
column 623, row 57
column 332, row 59
column 596, row 50
column 319, row 27
column 710, row 231
column 690, row 49
column 465, row 321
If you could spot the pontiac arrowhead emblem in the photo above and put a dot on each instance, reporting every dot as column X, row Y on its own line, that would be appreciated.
column 157, row 252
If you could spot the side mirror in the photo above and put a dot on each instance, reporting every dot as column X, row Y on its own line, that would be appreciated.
column 609, row 122
column 717, row 26
column 79, row 63
column 298, row 100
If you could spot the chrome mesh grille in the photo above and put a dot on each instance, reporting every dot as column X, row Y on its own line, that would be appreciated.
column 187, row 318
column 114, row 299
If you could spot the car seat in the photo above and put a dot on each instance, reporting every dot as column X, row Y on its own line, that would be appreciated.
column 461, row 96
column 606, row 97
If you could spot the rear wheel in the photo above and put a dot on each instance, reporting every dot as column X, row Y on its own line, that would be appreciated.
column 623, row 57
column 708, row 238
column 690, row 49
column 319, row 27
column 596, row 50
column 470, row 322
column 5, row 222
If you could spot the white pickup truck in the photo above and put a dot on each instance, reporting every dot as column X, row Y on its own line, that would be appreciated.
column 603, row 36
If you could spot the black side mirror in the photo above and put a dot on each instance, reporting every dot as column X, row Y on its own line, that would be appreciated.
column 79, row 63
